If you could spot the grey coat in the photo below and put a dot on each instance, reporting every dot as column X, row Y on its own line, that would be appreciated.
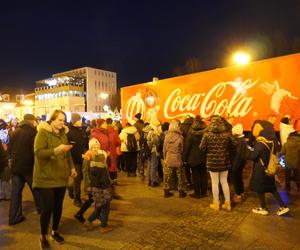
column 173, row 149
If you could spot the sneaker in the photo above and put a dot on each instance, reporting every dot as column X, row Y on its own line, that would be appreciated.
column 106, row 229
column 283, row 210
column 260, row 210
column 80, row 218
column 78, row 203
column 196, row 196
column 237, row 199
column 56, row 237
column 21, row 219
column 88, row 225
column 44, row 244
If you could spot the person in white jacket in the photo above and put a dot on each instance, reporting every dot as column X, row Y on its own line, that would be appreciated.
column 130, row 147
column 285, row 128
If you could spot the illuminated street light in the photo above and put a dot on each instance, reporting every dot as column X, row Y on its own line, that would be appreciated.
column 241, row 58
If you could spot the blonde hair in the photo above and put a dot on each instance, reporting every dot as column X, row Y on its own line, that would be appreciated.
column 174, row 125
column 55, row 114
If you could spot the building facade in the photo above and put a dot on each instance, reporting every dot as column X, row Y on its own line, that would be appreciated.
column 79, row 90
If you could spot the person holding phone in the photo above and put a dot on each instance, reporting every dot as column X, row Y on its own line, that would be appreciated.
column 52, row 167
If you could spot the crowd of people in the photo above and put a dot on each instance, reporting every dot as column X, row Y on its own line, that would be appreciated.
column 54, row 156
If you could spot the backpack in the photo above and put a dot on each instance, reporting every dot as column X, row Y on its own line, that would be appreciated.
column 145, row 148
column 131, row 143
column 273, row 165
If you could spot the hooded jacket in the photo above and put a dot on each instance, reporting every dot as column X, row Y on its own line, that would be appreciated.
column 50, row 170
column 191, row 153
column 79, row 136
column 217, row 144
column 3, row 158
column 291, row 150
column 260, row 182
column 123, row 137
column 114, row 142
column 173, row 148
column 284, row 131
column 101, row 134
column 22, row 158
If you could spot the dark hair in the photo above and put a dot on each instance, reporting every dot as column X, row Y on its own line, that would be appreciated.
column 55, row 114
column 285, row 120
column 165, row 126
column 109, row 121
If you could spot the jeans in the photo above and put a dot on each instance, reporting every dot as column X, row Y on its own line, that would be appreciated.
column 51, row 204
column 15, row 209
column 101, row 213
column 152, row 164
column 216, row 178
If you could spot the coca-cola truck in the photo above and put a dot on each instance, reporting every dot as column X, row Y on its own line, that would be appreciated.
column 248, row 92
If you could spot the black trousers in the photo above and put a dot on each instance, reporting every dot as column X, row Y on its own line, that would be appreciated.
column 276, row 195
column 75, row 189
column 237, row 179
column 51, row 204
column 291, row 175
column 199, row 177
column 130, row 159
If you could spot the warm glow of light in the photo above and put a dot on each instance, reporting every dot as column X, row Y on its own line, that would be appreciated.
column 9, row 106
column 103, row 96
column 241, row 58
column 28, row 102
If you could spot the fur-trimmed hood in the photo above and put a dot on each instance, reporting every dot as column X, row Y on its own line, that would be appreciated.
column 46, row 126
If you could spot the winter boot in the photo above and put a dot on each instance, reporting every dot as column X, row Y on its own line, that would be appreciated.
column 226, row 206
column 215, row 206
column 167, row 193
column 85, row 206
column 182, row 194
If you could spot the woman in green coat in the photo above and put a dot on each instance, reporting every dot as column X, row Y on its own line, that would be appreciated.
column 52, row 167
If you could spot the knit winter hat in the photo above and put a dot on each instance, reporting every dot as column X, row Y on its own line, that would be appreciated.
column 93, row 142
column 238, row 130
column 29, row 117
column 75, row 117
column 138, row 116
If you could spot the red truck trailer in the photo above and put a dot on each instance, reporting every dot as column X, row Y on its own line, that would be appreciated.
column 249, row 92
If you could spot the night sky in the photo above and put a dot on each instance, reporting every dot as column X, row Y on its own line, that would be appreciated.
column 139, row 39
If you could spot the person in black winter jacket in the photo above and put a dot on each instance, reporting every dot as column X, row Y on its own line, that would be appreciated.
column 194, row 159
column 260, row 182
column 22, row 161
column 291, row 152
column 185, row 127
column 239, row 162
column 79, row 139
column 218, row 144
column 3, row 158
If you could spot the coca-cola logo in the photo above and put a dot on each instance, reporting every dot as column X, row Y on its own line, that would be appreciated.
column 203, row 104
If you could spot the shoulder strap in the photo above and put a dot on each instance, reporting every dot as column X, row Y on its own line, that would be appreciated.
column 270, row 149
column 271, row 152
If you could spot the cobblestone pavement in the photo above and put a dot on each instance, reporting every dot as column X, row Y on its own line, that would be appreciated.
column 146, row 220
